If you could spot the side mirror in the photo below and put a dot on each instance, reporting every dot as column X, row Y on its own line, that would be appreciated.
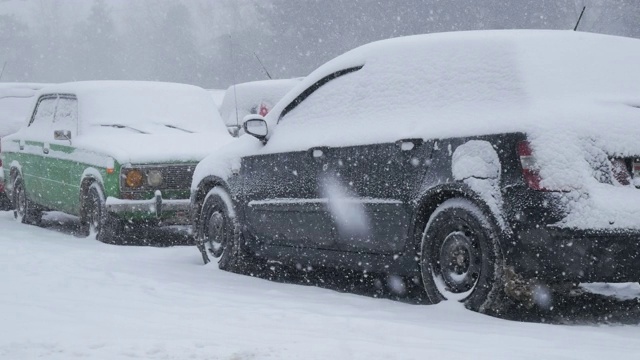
column 256, row 126
column 62, row 135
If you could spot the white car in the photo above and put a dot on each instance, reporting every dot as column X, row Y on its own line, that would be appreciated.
column 255, row 97
column 16, row 101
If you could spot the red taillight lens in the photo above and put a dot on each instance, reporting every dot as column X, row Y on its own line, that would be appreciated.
column 529, row 169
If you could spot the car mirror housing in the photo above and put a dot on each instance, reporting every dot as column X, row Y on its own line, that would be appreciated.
column 256, row 126
column 62, row 135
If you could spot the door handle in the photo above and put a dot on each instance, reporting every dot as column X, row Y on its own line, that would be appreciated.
column 318, row 152
column 21, row 144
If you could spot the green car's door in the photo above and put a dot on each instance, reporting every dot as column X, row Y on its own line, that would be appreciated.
column 31, row 154
column 64, row 167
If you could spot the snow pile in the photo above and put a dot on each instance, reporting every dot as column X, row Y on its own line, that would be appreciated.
column 65, row 297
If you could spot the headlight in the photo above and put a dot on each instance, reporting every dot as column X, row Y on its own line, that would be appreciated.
column 154, row 178
column 133, row 179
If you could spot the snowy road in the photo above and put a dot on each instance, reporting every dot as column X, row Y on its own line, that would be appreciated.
column 64, row 297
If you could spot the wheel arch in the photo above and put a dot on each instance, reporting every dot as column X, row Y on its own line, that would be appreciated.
column 89, row 176
column 428, row 202
column 200, row 192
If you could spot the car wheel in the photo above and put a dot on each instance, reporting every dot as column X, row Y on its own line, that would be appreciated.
column 460, row 256
column 97, row 221
column 24, row 211
column 217, row 234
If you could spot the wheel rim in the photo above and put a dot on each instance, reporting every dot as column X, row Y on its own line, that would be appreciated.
column 214, row 237
column 457, row 265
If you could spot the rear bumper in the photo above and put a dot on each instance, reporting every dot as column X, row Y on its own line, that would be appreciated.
column 157, row 206
column 560, row 254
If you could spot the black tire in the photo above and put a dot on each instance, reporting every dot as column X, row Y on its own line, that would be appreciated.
column 97, row 221
column 461, row 257
column 25, row 210
column 217, row 233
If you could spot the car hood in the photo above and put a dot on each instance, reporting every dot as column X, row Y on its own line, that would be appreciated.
column 154, row 148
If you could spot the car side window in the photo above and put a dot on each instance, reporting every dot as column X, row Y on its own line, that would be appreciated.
column 66, row 116
column 43, row 116
column 313, row 88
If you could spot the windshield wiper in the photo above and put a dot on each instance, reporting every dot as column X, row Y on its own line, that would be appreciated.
column 178, row 128
column 120, row 126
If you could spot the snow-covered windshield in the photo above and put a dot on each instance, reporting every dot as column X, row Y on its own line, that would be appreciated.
column 144, row 107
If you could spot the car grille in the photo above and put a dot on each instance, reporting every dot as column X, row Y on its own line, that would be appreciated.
column 174, row 177
column 177, row 177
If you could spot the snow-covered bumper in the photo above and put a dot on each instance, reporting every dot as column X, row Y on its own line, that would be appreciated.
column 156, row 206
column 564, row 254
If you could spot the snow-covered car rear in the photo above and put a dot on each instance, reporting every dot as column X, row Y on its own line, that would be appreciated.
column 113, row 153
column 15, row 104
column 483, row 165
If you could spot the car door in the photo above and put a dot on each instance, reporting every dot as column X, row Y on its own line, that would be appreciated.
column 285, row 204
column 283, row 207
column 63, row 167
column 32, row 147
column 372, row 186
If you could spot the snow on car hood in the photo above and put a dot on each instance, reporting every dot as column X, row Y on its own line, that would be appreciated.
column 132, row 148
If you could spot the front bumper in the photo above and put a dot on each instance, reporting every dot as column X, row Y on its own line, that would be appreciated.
column 156, row 206
column 561, row 254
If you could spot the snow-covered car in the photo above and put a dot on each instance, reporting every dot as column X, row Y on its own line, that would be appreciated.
column 111, row 152
column 254, row 97
column 15, row 105
column 484, row 166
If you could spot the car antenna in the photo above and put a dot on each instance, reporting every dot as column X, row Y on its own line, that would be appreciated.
column 263, row 67
column 2, row 72
column 575, row 28
column 233, row 78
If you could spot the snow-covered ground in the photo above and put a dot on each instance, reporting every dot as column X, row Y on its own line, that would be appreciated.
column 64, row 297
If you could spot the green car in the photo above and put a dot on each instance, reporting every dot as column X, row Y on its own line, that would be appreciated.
column 113, row 153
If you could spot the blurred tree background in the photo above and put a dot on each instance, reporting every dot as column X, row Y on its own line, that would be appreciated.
column 214, row 43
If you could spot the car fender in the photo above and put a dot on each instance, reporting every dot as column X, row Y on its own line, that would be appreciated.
column 428, row 200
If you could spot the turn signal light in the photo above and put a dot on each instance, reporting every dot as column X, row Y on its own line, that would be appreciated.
column 133, row 179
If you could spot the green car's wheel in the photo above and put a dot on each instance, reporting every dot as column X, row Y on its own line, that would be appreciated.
column 97, row 221
column 24, row 211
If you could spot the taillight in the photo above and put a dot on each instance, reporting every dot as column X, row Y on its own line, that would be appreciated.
column 529, row 167
column 0, row 154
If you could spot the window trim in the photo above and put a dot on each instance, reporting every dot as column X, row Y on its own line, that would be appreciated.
column 311, row 89
column 40, row 100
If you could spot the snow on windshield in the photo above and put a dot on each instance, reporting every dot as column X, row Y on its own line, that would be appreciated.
column 147, row 106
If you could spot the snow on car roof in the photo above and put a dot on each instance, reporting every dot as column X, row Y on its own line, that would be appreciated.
column 466, row 83
column 140, row 103
column 250, row 95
